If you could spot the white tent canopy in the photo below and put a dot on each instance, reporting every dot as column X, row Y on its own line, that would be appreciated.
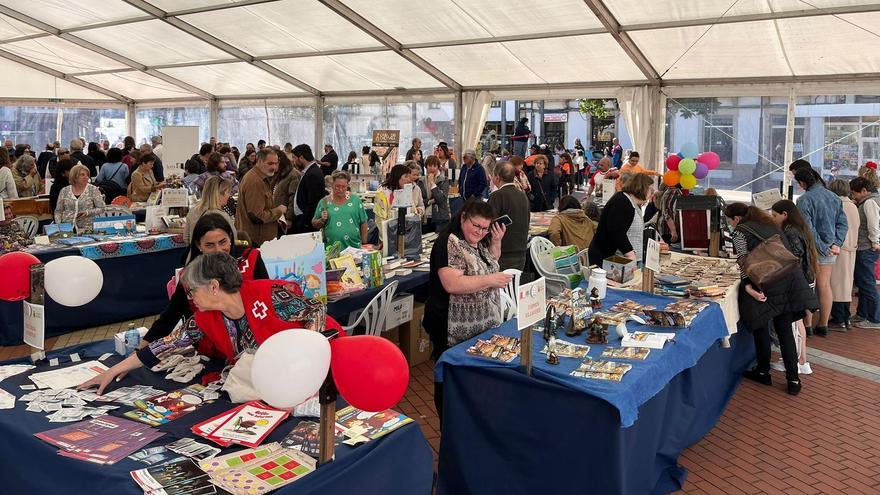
column 148, row 50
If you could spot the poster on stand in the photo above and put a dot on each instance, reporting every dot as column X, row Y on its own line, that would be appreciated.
column 386, row 143
column 298, row 258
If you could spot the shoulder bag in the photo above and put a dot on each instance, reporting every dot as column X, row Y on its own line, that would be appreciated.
column 769, row 261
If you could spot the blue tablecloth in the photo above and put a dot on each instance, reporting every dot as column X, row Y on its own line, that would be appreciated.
column 399, row 463
column 504, row 432
column 416, row 283
column 134, row 287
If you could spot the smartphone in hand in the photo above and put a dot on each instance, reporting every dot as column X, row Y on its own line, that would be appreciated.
column 503, row 220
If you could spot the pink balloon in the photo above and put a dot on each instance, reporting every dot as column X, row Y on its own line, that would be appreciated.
column 710, row 158
column 702, row 170
column 672, row 162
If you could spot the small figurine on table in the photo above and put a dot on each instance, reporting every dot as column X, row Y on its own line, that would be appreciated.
column 598, row 332
column 595, row 302
column 550, row 335
column 552, row 357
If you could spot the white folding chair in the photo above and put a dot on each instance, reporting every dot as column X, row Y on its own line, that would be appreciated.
column 513, row 285
column 508, row 306
column 28, row 224
column 539, row 249
column 373, row 316
column 584, row 258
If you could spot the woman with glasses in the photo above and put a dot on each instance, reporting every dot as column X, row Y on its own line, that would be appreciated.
column 212, row 234
column 463, row 297
column 232, row 316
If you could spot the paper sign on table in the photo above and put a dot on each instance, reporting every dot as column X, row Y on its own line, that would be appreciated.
column 175, row 198
column 652, row 256
column 34, row 325
column 609, row 188
column 531, row 303
column 764, row 200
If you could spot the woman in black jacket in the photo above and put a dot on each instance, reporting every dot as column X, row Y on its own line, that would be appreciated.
column 211, row 234
column 783, row 301
column 621, row 227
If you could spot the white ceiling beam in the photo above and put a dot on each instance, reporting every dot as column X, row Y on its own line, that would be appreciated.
column 100, row 50
column 60, row 75
column 371, row 29
column 220, row 45
column 769, row 16
column 552, row 86
column 214, row 8
column 626, row 43
column 821, row 78
column 504, row 39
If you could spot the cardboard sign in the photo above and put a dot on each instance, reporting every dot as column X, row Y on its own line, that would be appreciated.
column 764, row 200
column 531, row 300
column 652, row 256
column 172, row 198
column 609, row 187
column 386, row 143
column 34, row 325
column 154, row 216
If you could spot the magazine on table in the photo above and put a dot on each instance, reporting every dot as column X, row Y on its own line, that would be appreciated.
column 601, row 370
column 568, row 349
column 362, row 426
column 650, row 340
column 179, row 477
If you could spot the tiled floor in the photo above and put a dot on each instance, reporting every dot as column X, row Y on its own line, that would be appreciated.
column 824, row 441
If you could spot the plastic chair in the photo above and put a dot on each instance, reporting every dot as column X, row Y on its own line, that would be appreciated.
column 512, row 286
column 28, row 224
column 508, row 306
column 373, row 316
column 539, row 246
column 584, row 258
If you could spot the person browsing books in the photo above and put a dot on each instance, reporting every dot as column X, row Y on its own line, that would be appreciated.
column 233, row 315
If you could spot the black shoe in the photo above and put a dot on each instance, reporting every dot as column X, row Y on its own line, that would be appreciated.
column 809, row 331
column 758, row 376
column 821, row 331
column 794, row 388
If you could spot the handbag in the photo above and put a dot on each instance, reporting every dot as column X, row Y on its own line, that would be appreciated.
column 769, row 261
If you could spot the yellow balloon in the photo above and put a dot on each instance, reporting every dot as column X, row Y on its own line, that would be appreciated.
column 688, row 181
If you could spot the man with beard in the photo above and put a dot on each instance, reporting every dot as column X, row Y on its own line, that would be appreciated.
column 255, row 213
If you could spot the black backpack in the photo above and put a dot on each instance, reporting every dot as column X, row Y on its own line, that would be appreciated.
column 110, row 189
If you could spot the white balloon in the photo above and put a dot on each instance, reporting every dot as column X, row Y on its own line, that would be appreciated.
column 290, row 367
column 73, row 280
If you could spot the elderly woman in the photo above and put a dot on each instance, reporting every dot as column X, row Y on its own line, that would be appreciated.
column 80, row 200
column 234, row 315
column 27, row 179
column 463, row 298
column 783, row 301
column 844, row 267
column 215, row 195
column 143, row 182
column 341, row 215
column 211, row 234
column 620, row 225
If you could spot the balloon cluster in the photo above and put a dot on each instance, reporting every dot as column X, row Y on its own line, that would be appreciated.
column 70, row 280
column 688, row 166
column 369, row 372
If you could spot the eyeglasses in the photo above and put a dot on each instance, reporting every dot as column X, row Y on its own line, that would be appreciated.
column 189, row 292
column 479, row 228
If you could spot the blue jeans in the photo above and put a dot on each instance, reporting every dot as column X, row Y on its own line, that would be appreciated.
column 869, row 303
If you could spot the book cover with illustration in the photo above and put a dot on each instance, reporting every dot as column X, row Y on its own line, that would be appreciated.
column 298, row 258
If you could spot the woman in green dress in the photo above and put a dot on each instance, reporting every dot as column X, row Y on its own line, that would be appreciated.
column 341, row 215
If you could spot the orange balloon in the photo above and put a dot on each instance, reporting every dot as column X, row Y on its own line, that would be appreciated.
column 671, row 178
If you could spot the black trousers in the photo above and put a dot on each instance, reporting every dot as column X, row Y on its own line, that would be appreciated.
column 787, row 345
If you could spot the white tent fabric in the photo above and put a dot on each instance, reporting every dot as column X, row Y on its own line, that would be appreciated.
column 148, row 50
column 640, row 107
column 474, row 111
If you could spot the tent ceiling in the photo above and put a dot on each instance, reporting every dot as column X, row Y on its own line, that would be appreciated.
column 160, row 49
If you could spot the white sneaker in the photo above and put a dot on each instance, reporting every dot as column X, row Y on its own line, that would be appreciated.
column 777, row 365
column 805, row 369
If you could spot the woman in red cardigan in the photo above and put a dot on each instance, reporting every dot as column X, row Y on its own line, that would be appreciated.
column 234, row 315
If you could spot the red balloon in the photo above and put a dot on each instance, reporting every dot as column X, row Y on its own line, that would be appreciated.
column 672, row 162
column 15, row 268
column 370, row 372
column 710, row 159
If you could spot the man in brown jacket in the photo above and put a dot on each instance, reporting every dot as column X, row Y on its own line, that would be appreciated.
column 255, row 213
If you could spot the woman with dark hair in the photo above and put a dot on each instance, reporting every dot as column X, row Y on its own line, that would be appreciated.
column 211, row 234
column 382, row 204
column 248, row 160
column 520, row 138
column 463, row 297
column 566, row 180
column 143, row 182
column 97, row 154
column 350, row 164
column 824, row 214
column 784, row 301
column 448, row 164
column 365, row 160
column 61, row 180
column 375, row 163
column 571, row 225
column 231, row 316
column 788, row 218
column 621, row 226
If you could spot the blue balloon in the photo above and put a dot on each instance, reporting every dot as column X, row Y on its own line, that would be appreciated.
column 680, row 155
column 689, row 150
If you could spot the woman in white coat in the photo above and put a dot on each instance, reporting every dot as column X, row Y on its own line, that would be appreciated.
column 842, row 273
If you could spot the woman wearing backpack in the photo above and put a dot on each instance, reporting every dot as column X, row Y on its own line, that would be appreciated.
column 783, row 301
column 116, row 171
